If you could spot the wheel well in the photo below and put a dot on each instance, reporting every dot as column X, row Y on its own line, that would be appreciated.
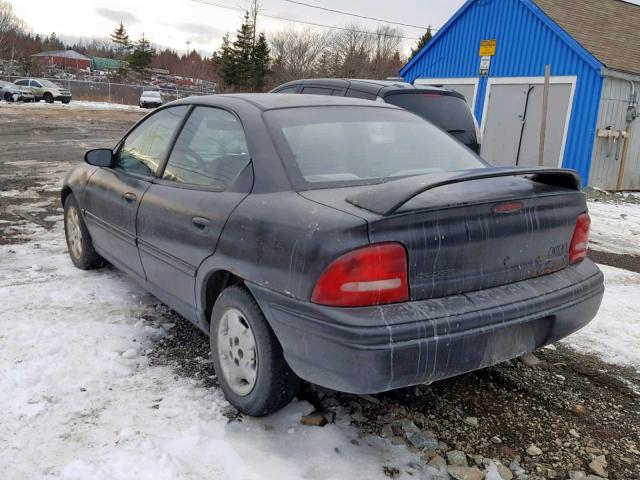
column 66, row 191
column 216, row 283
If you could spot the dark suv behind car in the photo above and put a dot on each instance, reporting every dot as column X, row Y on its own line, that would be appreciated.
column 442, row 107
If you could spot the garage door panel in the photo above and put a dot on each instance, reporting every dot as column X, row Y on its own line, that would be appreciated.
column 514, row 119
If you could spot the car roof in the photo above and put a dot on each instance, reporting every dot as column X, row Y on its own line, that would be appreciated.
column 375, row 87
column 268, row 101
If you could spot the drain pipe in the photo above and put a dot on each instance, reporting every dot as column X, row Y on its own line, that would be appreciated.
column 632, row 114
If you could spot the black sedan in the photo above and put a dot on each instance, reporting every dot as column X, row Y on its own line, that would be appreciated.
column 345, row 242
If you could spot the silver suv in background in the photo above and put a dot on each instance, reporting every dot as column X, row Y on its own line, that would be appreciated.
column 12, row 93
column 151, row 99
column 46, row 90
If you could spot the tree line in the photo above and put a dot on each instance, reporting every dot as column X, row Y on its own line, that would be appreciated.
column 248, row 61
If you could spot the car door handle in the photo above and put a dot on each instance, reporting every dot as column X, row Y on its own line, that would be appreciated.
column 130, row 197
column 201, row 223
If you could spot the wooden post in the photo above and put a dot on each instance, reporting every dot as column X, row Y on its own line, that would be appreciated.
column 623, row 160
column 545, row 109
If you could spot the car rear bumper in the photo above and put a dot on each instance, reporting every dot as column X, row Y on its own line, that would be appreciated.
column 375, row 349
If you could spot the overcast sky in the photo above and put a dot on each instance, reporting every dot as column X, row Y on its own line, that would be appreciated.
column 175, row 22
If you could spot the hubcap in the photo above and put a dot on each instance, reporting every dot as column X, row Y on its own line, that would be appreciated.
column 237, row 352
column 74, row 233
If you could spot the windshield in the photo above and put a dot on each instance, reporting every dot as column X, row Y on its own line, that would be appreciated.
column 47, row 83
column 354, row 145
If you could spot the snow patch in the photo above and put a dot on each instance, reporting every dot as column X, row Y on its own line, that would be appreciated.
column 614, row 335
column 81, row 401
column 615, row 227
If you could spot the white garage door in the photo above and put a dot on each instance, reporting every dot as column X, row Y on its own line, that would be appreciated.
column 513, row 120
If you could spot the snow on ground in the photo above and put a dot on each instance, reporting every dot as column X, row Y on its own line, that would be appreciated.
column 614, row 335
column 75, row 104
column 81, row 402
column 615, row 227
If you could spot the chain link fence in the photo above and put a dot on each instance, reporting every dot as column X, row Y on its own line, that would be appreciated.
column 116, row 92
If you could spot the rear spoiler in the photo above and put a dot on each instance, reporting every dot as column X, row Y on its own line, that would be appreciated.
column 387, row 198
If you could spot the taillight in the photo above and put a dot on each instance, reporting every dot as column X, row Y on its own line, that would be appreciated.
column 373, row 275
column 580, row 241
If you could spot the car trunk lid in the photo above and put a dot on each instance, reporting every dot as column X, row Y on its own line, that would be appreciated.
column 482, row 234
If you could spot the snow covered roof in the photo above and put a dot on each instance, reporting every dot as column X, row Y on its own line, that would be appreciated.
column 63, row 54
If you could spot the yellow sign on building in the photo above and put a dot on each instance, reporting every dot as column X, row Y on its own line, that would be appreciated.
column 488, row 48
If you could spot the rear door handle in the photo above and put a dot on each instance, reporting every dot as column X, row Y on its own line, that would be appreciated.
column 130, row 197
column 201, row 223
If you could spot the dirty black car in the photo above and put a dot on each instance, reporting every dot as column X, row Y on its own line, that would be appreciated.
column 345, row 242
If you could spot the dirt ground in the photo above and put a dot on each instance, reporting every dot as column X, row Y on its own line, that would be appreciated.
column 573, row 407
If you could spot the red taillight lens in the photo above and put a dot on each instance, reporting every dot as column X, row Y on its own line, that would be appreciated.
column 374, row 275
column 580, row 241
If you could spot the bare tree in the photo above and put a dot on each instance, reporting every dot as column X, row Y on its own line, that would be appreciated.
column 297, row 53
column 9, row 22
column 351, row 52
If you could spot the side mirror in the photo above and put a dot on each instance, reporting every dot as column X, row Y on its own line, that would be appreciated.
column 100, row 157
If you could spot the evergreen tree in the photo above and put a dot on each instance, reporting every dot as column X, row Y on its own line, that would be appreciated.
column 426, row 38
column 142, row 55
column 224, row 62
column 243, row 54
column 122, row 45
column 260, row 63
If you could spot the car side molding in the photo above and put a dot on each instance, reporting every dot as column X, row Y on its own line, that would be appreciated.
column 387, row 198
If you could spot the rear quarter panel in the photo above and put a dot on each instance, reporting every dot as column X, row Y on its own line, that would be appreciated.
column 282, row 242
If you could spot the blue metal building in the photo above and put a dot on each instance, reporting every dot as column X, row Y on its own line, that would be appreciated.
column 496, row 52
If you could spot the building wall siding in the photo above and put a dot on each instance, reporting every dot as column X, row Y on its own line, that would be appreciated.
column 526, row 42
column 605, row 166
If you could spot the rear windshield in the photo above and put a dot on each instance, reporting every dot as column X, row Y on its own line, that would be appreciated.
column 151, row 94
column 452, row 114
column 355, row 145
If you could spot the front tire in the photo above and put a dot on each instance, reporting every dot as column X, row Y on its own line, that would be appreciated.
column 66, row 101
column 79, row 243
column 247, row 356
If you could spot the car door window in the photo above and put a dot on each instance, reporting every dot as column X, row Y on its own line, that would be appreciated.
column 211, row 150
column 358, row 94
column 293, row 89
column 317, row 91
column 35, row 84
column 144, row 149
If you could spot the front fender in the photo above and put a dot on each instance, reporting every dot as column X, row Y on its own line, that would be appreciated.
column 76, row 181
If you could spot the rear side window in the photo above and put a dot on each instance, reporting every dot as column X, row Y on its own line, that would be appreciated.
column 452, row 114
column 211, row 150
column 146, row 147
column 359, row 94
column 24, row 83
column 317, row 91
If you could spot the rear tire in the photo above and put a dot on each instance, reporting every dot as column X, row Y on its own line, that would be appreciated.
column 48, row 97
column 8, row 97
column 247, row 356
column 79, row 242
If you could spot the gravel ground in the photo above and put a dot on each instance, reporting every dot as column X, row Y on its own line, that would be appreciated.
column 568, row 411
